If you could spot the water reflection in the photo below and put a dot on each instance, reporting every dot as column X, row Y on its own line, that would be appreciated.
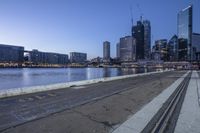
column 14, row 78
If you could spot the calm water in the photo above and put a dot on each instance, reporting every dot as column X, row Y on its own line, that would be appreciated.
column 23, row 77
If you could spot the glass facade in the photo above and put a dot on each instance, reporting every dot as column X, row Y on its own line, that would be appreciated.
column 127, row 49
column 162, row 48
column 147, row 39
column 196, row 45
column 185, row 34
column 172, row 46
column 11, row 54
column 106, row 50
column 138, row 34
column 118, row 50
column 76, row 57
column 38, row 57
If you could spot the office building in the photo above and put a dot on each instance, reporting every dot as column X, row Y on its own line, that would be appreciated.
column 196, row 46
column 39, row 58
column 147, row 39
column 106, row 51
column 127, row 48
column 173, row 48
column 11, row 54
column 161, row 49
column 76, row 57
column 118, row 50
column 138, row 34
column 185, row 50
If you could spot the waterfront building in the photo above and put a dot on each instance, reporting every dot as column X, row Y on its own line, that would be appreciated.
column 118, row 50
column 127, row 48
column 106, row 51
column 196, row 46
column 38, row 58
column 185, row 50
column 11, row 54
column 156, row 55
column 77, row 57
column 173, row 48
column 96, row 60
column 161, row 48
column 138, row 34
column 147, row 39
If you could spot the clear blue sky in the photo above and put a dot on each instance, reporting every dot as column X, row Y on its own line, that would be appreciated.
column 82, row 25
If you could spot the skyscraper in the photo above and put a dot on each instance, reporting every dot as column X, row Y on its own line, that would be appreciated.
column 173, row 48
column 196, row 46
column 185, row 34
column 106, row 51
column 127, row 49
column 162, row 49
column 118, row 50
column 147, row 39
column 138, row 34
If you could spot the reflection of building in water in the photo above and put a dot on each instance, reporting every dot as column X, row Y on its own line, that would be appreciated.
column 77, row 74
column 107, row 72
column 128, row 71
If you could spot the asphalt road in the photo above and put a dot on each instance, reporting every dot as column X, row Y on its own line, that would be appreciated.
column 82, row 105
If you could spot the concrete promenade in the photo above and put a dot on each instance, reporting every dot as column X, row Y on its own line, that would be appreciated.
column 138, row 121
column 100, row 107
column 189, row 118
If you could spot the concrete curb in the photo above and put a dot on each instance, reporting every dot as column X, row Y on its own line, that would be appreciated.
column 27, row 90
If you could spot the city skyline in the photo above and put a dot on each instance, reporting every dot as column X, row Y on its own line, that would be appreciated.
column 67, row 26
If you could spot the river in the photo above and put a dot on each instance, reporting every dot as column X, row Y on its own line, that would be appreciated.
column 24, row 77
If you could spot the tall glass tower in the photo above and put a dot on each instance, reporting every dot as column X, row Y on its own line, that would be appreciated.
column 106, row 51
column 185, row 34
column 147, row 39
column 138, row 34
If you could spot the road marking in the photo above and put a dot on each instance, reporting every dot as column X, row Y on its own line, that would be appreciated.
column 30, row 99
column 78, row 87
column 51, row 94
column 21, row 100
column 40, row 97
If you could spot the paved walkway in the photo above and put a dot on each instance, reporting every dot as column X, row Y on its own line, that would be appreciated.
column 139, row 120
column 189, row 118
column 96, row 108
